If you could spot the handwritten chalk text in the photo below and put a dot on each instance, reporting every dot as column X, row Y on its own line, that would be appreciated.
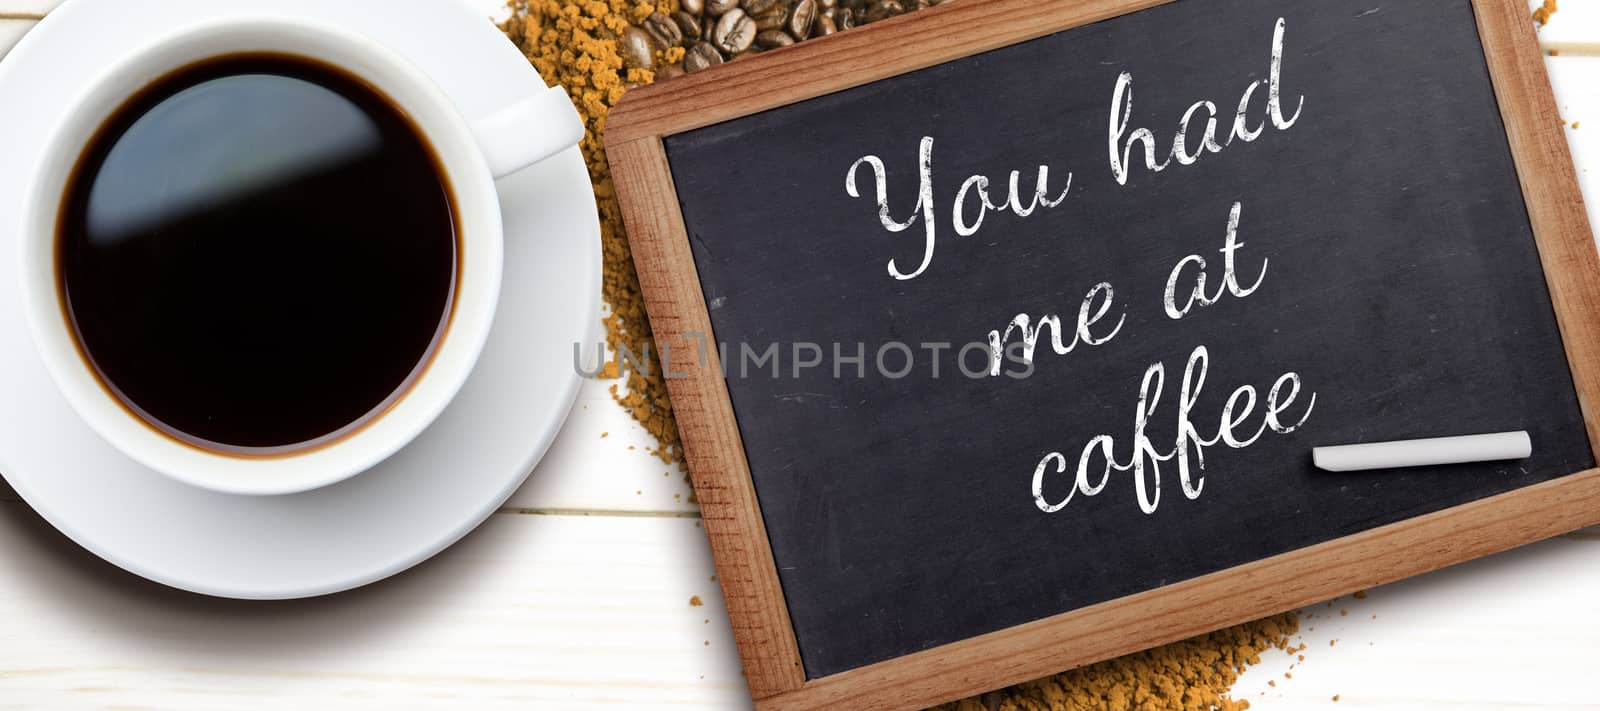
column 1122, row 140
column 1144, row 458
column 970, row 206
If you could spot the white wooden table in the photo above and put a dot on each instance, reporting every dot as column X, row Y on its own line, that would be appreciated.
column 578, row 594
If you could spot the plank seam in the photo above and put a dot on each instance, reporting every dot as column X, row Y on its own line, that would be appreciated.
column 608, row 513
column 1562, row 50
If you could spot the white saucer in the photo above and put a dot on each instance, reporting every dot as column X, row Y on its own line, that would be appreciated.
column 408, row 508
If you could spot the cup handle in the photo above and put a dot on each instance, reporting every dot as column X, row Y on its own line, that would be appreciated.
column 529, row 131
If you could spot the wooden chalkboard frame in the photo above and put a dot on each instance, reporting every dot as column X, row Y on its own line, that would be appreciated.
column 715, row 452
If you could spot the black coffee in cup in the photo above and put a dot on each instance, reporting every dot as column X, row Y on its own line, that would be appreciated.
column 258, row 254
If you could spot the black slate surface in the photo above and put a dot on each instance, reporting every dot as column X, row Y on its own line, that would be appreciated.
column 1403, row 286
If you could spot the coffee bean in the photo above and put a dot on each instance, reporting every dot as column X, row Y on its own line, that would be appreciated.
column 883, row 10
column 688, row 27
column 716, row 31
column 773, row 39
column 734, row 32
column 663, row 30
column 823, row 27
column 773, row 19
column 701, row 56
column 802, row 17
column 638, row 50
column 758, row 7
column 668, row 72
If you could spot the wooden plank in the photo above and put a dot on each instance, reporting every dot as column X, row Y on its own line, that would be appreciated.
column 28, row 7
column 1574, row 29
column 530, row 612
column 602, row 462
column 1578, row 99
column 1516, row 630
column 539, row 611
column 80, row 635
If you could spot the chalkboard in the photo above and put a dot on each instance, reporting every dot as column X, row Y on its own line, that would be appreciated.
column 1336, row 249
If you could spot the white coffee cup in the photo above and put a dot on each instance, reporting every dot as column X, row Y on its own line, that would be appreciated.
column 473, row 153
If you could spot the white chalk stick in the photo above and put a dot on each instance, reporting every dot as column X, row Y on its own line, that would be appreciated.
column 1423, row 452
